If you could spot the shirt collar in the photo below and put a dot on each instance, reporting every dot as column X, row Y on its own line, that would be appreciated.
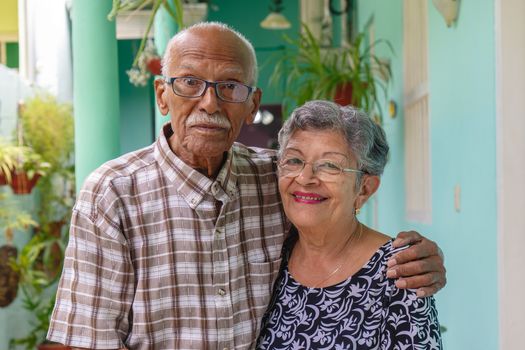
column 189, row 183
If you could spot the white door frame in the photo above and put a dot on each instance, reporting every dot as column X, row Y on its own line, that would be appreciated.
column 510, row 144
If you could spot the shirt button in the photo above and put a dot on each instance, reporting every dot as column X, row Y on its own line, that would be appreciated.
column 221, row 292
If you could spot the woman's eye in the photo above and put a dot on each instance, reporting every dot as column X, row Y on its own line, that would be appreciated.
column 329, row 166
column 293, row 161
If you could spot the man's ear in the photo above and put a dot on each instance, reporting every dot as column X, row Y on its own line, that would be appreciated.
column 369, row 186
column 161, row 93
column 256, row 103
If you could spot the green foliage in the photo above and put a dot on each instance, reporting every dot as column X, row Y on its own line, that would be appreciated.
column 47, row 133
column 48, row 128
column 41, row 308
column 314, row 72
column 12, row 218
column 37, row 285
column 21, row 158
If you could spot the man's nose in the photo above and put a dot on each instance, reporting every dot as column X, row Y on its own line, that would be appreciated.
column 209, row 102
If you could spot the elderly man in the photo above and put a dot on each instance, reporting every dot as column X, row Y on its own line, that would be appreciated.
column 175, row 246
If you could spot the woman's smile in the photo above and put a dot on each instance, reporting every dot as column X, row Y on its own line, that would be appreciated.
column 308, row 198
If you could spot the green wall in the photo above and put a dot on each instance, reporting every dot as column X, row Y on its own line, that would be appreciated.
column 463, row 144
column 136, row 103
column 245, row 17
column 12, row 55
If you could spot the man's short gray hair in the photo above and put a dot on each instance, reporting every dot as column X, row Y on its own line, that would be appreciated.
column 366, row 139
column 252, row 70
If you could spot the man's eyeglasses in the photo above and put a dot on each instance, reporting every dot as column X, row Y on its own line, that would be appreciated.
column 228, row 91
column 324, row 169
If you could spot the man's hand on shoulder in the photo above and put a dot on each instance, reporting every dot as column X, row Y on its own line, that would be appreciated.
column 420, row 266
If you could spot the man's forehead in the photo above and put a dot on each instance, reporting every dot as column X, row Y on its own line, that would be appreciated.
column 192, row 67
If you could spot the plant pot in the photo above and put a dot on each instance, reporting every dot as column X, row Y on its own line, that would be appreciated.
column 154, row 66
column 8, row 277
column 52, row 346
column 343, row 94
column 53, row 267
column 3, row 179
column 21, row 184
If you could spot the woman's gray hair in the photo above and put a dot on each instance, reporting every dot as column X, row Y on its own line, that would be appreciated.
column 253, row 72
column 366, row 139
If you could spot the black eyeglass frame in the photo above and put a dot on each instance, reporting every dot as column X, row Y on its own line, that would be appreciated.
column 213, row 84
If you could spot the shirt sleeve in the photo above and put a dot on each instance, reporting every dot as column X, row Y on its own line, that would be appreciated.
column 411, row 322
column 96, row 288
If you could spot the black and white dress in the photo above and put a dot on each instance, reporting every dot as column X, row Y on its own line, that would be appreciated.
column 366, row 311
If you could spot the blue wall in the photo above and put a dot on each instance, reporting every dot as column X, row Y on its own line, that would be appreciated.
column 463, row 144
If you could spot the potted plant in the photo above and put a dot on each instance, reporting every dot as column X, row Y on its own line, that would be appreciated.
column 21, row 167
column 48, row 129
column 348, row 75
column 29, row 167
column 11, row 219
column 7, row 164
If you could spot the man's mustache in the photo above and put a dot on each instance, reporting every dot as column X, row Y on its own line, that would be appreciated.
column 214, row 120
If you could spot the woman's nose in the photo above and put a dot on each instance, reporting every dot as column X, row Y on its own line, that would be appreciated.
column 307, row 175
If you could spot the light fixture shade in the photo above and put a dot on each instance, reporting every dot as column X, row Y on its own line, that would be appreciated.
column 275, row 20
column 448, row 9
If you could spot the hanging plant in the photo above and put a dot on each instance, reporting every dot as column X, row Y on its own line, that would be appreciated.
column 148, row 63
column 21, row 167
column 351, row 74
column 8, row 276
column 139, row 73
column 10, row 219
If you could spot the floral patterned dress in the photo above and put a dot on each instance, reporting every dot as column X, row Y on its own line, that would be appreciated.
column 366, row 311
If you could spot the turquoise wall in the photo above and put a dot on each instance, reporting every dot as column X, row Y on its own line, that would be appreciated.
column 136, row 103
column 463, row 144
column 245, row 17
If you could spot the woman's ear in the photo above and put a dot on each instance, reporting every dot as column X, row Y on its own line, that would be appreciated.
column 369, row 186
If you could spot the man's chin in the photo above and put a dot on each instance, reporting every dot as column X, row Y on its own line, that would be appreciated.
column 208, row 149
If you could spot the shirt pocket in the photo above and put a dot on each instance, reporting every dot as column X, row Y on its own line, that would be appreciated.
column 261, row 277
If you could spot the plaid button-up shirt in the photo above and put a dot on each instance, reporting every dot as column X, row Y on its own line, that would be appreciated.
column 162, row 257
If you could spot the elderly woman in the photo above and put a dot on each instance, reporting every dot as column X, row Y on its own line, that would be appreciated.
column 332, row 292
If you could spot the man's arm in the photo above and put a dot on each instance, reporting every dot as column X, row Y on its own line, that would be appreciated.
column 421, row 266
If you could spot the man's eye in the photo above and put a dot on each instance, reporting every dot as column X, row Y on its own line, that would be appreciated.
column 190, row 81
column 230, row 85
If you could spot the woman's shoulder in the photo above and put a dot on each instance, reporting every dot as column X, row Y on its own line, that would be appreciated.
column 384, row 244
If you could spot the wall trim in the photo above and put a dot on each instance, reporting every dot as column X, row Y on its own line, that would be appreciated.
column 510, row 142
